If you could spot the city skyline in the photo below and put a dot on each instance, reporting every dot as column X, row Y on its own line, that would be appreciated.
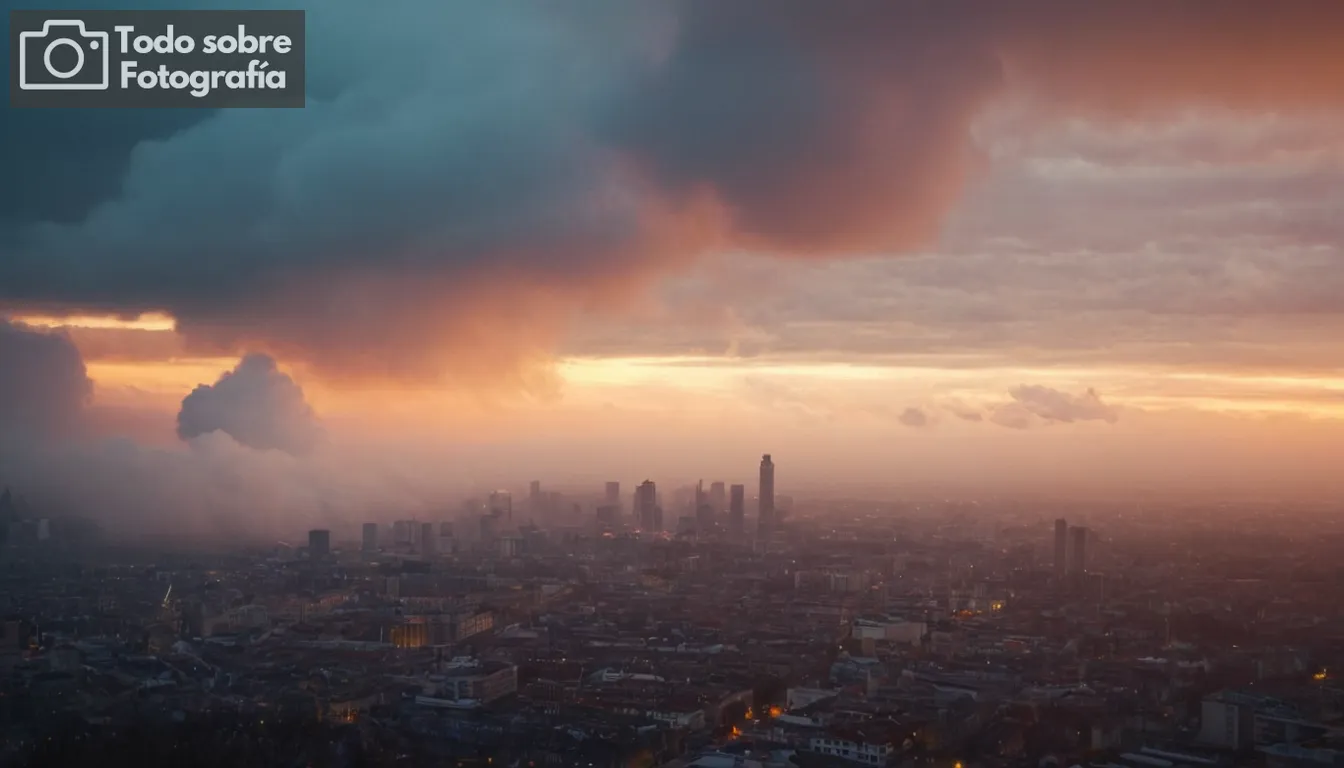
column 674, row 384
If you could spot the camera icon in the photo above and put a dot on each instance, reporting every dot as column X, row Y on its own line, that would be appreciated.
column 40, row 70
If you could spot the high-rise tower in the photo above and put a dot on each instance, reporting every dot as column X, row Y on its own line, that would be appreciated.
column 766, row 504
column 1061, row 551
column 704, row 510
column 319, row 542
column 737, row 509
column 501, row 506
column 428, row 541
column 370, row 534
column 718, row 497
column 534, row 501
column 646, row 506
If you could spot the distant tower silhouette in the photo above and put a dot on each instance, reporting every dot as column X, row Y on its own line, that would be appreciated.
column 319, row 542
column 766, row 504
column 369, row 541
column 646, row 506
column 737, row 509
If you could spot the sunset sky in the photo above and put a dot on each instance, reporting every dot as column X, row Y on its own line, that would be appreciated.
column 1094, row 245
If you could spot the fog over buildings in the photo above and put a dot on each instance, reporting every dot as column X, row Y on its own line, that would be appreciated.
column 758, row 384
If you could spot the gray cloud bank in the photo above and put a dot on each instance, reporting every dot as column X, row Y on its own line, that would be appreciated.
column 43, row 382
column 466, row 173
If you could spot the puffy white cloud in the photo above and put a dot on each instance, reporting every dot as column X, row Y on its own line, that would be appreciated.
column 255, row 404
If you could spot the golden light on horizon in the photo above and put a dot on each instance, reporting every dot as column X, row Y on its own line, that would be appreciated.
column 651, row 383
column 149, row 321
column 166, row 376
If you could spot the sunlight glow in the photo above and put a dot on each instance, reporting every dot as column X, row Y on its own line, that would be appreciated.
column 168, row 377
column 150, row 321
column 682, row 383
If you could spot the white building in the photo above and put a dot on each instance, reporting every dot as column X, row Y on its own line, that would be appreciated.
column 861, row 746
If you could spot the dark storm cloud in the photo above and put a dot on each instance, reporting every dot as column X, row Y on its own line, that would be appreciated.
column 255, row 404
column 57, row 169
column 467, row 172
column 445, row 171
column 824, row 130
column 816, row 129
column 43, row 383
column 57, row 164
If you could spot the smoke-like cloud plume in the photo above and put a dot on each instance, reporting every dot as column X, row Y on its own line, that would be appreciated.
column 236, row 477
column 257, row 405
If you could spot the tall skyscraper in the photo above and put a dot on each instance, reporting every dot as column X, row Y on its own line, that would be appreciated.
column 766, row 504
column 646, row 506
column 718, row 498
column 1078, row 561
column 489, row 528
column 612, row 497
column 534, row 500
column 1061, row 551
column 428, row 540
column 319, row 542
column 501, row 506
column 737, row 509
column 406, row 535
column 447, row 544
column 704, row 510
column 370, row 542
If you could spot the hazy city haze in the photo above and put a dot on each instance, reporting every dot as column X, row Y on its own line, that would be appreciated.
column 1086, row 245
column 673, row 384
